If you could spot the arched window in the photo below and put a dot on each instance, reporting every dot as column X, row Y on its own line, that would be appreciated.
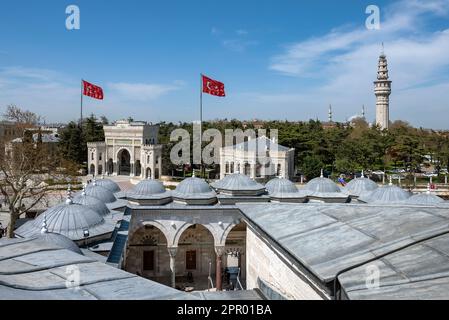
column 92, row 156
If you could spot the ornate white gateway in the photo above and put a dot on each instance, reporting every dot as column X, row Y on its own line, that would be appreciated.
column 130, row 149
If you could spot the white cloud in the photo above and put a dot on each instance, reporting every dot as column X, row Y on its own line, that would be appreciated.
column 343, row 62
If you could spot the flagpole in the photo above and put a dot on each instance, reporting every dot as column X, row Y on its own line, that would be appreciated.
column 81, row 119
column 201, row 122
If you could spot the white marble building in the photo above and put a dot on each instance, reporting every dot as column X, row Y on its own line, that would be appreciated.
column 130, row 149
column 246, row 158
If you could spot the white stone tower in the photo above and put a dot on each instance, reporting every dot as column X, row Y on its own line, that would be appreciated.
column 382, row 90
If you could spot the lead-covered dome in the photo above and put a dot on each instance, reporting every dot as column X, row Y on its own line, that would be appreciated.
column 108, row 184
column 323, row 185
column 99, row 192
column 426, row 198
column 238, row 184
column 149, row 192
column 57, row 239
column 283, row 190
column 91, row 202
column 69, row 219
column 280, row 185
column 360, row 185
column 148, row 187
column 194, row 191
column 385, row 194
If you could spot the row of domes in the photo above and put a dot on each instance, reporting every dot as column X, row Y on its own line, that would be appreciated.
column 79, row 218
column 364, row 189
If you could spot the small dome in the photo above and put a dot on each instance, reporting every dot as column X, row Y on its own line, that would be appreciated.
column 192, row 189
column 192, row 186
column 426, row 198
column 101, row 193
column 60, row 241
column 280, row 185
column 92, row 203
column 323, row 185
column 69, row 219
column 386, row 194
column 108, row 184
column 148, row 187
column 358, row 186
column 237, row 183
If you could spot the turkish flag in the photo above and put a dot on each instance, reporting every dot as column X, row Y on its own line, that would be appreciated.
column 213, row 87
column 92, row 90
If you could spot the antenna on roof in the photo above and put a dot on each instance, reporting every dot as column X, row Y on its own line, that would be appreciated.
column 428, row 188
column 193, row 173
column 322, row 174
column 44, row 224
column 363, row 175
column 391, row 181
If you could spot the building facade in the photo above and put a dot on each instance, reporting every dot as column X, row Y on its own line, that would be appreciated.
column 258, row 158
column 382, row 90
column 130, row 149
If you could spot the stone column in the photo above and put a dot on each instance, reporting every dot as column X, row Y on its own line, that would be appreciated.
column 252, row 170
column 172, row 252
column 114, row 168
column 219, row 250
column 131, row 169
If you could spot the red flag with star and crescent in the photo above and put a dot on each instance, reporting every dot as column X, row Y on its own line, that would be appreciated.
column 213, row 87
column 92, row 90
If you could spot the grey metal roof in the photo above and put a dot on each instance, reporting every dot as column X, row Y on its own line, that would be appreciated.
column 237, row 182
column 328, row 238
column 92, row 203
column 358, row 186
column 419, row 272
column 385, row 194
column 108, row 184
column 69, row 220
column 99, row 192
column 37, row 270
column 193, row 188
column 260, row 144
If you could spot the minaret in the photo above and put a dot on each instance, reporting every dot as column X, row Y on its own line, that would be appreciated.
column 382, row 90
column 330, row 113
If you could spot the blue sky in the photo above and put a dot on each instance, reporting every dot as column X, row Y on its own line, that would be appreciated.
column 278, row 59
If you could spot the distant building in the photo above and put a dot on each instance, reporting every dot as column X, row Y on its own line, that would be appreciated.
column 130, row 148
column 246, row 158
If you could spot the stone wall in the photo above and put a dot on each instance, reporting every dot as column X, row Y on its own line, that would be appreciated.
column 265, row 265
